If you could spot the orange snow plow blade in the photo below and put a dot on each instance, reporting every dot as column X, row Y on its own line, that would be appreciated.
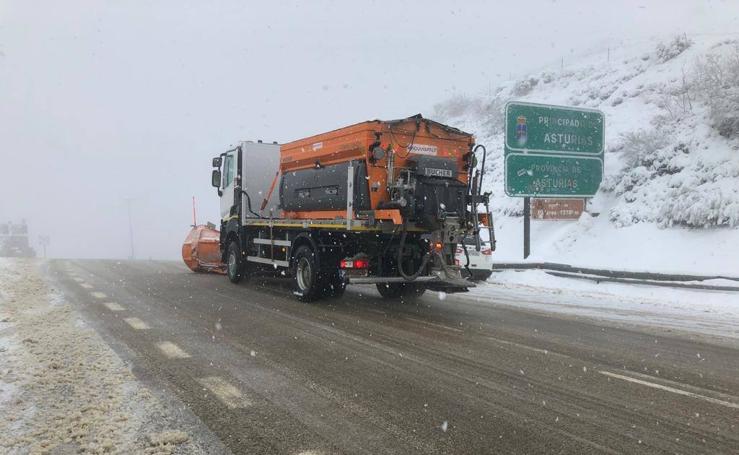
column 201, row 251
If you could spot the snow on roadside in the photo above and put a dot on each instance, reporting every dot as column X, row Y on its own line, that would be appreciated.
column 698, row 311
column 62, row 389
column 670, row 176
column 595, row 242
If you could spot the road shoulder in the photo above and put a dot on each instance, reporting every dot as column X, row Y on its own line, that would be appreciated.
column 63, row 389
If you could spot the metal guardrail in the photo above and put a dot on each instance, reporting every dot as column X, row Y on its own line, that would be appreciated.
column 622, row 276
column 557, row 267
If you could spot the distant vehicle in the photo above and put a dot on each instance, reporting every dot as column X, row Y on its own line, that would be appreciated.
column 481, row 262
column 14, row 240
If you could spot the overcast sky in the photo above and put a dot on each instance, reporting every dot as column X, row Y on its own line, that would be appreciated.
column 105, row 101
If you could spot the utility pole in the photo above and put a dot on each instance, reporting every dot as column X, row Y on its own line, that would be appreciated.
column 130, row 227
column 44, row 241
column 194, row 215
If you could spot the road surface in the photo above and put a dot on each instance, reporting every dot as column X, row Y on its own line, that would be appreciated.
column 267, row 374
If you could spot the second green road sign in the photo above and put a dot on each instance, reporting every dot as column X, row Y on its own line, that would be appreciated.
column 553, row 151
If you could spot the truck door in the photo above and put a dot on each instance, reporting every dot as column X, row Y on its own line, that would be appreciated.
column 228, row 182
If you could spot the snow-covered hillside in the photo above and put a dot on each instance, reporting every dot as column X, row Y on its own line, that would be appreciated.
column 670, row 195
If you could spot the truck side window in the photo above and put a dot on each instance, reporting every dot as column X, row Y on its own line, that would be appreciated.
column 228, row 170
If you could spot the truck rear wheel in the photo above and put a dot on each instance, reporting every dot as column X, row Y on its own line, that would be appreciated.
column 400, row 290
column 234, row 262
column 306, row 279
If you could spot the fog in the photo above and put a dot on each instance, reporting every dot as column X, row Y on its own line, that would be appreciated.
column 106, row 104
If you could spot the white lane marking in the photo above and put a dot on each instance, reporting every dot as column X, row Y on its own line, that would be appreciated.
column 98, row 295
column 225, row 392
column 310, row 452
column 434, row 324
column 671, row 389
column 137, row 323
column 86, row 286
column 172, row 351
column 78, row 279
column 112, row 306
column 377, row 312
column 519, row 345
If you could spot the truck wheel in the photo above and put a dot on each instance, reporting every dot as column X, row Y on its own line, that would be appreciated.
column 234, row 264
column 306, row 279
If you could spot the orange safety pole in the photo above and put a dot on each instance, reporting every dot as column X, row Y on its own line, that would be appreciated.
column 269, row 194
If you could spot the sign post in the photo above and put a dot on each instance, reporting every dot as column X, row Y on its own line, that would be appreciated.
column 552, row 152
column 526, row 227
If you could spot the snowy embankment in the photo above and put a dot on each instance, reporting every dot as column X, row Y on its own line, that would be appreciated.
column 62, row 389
column 669, row 201
column 694, row 311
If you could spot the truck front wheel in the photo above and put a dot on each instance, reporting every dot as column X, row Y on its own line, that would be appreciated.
column 234, row 262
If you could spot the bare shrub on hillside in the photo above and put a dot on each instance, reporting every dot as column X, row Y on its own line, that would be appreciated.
column 717, row 82
column 678, row 45
column 677, row 101
column 710, row 207
column 494, row 116
column 457, row 106
column 640, row 147
column 525, row 86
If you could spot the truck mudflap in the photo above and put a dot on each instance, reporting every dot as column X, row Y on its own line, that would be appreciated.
column 436, row 282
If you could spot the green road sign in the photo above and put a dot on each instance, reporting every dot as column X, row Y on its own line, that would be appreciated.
column 541, row 128
column 553, row 151
column 552, row 176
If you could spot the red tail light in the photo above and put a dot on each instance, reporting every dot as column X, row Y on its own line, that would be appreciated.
column 486, row 251
column 354, row 264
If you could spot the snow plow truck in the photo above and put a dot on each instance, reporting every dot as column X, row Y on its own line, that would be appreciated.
column 378, row 202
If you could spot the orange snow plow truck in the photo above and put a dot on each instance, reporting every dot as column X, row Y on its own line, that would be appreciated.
column 379, row 202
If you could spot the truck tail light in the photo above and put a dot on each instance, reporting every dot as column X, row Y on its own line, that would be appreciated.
column 437, row 246
column 486, row 251
column 354, row 263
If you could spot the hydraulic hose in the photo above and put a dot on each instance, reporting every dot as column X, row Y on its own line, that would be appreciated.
column 248, row 204
column 424, row 261
column 466, row 255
